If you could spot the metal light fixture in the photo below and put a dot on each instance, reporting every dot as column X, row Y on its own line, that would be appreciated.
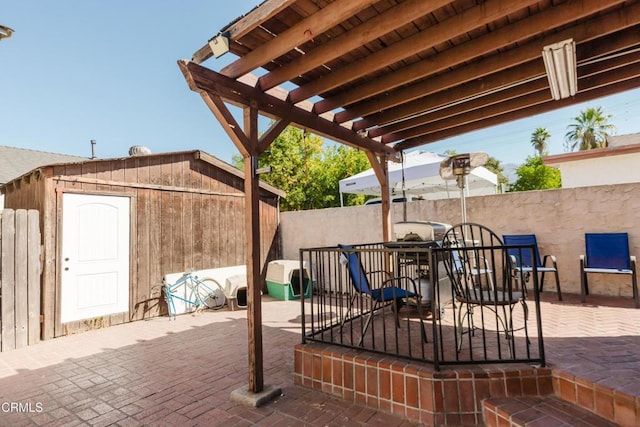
column 219, row 45
column 560, row 63
column 458, row 167
column 5, row 32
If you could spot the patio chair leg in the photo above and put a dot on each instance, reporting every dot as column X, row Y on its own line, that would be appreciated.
column 558, row 285
column 634, row 279
column 367, row 323
column 346, row 316
column 420, row 313
column 584, row 286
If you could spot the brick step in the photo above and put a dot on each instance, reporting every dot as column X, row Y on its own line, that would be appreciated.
column 538, row 411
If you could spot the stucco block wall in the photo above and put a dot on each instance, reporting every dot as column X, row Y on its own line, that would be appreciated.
column 559, row 218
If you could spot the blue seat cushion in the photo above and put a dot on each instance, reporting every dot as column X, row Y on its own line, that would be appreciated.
column 389, row 293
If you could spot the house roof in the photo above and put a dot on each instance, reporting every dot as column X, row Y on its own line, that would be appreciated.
column 15, row 162
column 622, row 140
column 591, row 154
column 389, row 75
column 198, row 154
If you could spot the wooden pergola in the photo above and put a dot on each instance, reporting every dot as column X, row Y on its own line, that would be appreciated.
column 388, row 75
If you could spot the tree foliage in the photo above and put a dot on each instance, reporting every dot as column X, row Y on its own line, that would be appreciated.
column 539, row 139
column 589, row 130
column 535, row 175
column 307, row 171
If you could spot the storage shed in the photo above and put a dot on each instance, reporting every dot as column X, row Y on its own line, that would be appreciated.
column 113, row 227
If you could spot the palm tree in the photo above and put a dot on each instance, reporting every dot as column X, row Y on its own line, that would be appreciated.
column 590, row 130
column 539, row 139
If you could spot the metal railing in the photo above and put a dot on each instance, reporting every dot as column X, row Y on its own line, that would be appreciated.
column 413, row 310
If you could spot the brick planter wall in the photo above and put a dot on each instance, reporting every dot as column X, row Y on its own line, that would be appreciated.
column 412, row 390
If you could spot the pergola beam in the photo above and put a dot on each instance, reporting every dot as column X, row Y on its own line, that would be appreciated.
column 201, row 79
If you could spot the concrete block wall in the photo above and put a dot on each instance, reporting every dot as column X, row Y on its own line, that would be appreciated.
column 559, row 218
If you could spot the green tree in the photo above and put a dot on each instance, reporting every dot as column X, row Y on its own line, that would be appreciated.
column 539, row 139
column 535, row 175
column 589, row 131
column 495, row 166
column 341, row 162
column 308, row 172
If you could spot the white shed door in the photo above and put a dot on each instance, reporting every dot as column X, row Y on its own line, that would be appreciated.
column 95, row 256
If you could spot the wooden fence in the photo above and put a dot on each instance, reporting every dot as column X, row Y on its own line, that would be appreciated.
column 20, row 273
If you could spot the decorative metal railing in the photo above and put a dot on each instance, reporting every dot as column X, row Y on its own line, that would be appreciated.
column 445, row 306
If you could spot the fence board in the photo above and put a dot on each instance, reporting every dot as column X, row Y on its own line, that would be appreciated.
column 7, row 334
column 34, row 274
column 20, row 278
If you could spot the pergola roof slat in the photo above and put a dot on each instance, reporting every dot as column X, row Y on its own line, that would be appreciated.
column 385, row 75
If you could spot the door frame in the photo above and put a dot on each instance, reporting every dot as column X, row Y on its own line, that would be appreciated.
column 61, row 329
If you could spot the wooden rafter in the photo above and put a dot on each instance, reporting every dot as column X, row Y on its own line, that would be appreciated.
column 382, row 24
column 478, row 78
column 245, row 25
column 417, row 43
column 295, row 36
column 514, row 96
column 466, row 52
column 583, row 95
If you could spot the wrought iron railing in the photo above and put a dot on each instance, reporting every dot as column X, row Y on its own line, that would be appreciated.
column 420, row 314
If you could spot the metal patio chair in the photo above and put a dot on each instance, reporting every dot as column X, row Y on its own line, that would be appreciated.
column 608, row 253
column 489, row 284
column 390, row 293
column 524, row 259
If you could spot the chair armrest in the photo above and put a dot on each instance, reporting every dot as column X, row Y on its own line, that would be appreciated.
column 400, row 279
column 552, row 258
column 389, row 275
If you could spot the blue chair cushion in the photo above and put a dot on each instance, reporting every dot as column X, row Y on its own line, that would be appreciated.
column 390, row 293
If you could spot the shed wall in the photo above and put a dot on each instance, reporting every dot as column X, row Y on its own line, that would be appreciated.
column 185, row 214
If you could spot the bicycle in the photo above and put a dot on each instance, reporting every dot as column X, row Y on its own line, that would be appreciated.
column 201, row 293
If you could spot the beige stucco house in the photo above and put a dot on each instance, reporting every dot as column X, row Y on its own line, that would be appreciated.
column 615, row 164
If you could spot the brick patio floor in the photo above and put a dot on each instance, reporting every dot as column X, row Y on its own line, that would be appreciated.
column 182, row 372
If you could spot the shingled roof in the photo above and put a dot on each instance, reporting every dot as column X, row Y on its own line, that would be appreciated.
column 15, row 162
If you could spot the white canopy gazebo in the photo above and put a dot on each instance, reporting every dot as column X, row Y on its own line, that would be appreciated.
column 422, row 178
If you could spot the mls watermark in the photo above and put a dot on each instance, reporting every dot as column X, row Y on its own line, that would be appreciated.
column 21, row 407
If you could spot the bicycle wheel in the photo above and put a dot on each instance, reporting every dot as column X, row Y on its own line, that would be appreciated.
column 210, row 293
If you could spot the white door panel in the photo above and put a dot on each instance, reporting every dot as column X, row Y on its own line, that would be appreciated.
column 95, row 256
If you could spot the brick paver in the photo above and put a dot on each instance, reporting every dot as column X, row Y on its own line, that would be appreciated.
column 182, row 372
column 161, row 372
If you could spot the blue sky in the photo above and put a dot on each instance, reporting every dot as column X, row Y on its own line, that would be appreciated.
column 78, row 70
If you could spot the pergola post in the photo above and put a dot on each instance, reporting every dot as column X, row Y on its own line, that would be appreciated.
column 252, row 238
column 381, row 169
column 250, row 146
